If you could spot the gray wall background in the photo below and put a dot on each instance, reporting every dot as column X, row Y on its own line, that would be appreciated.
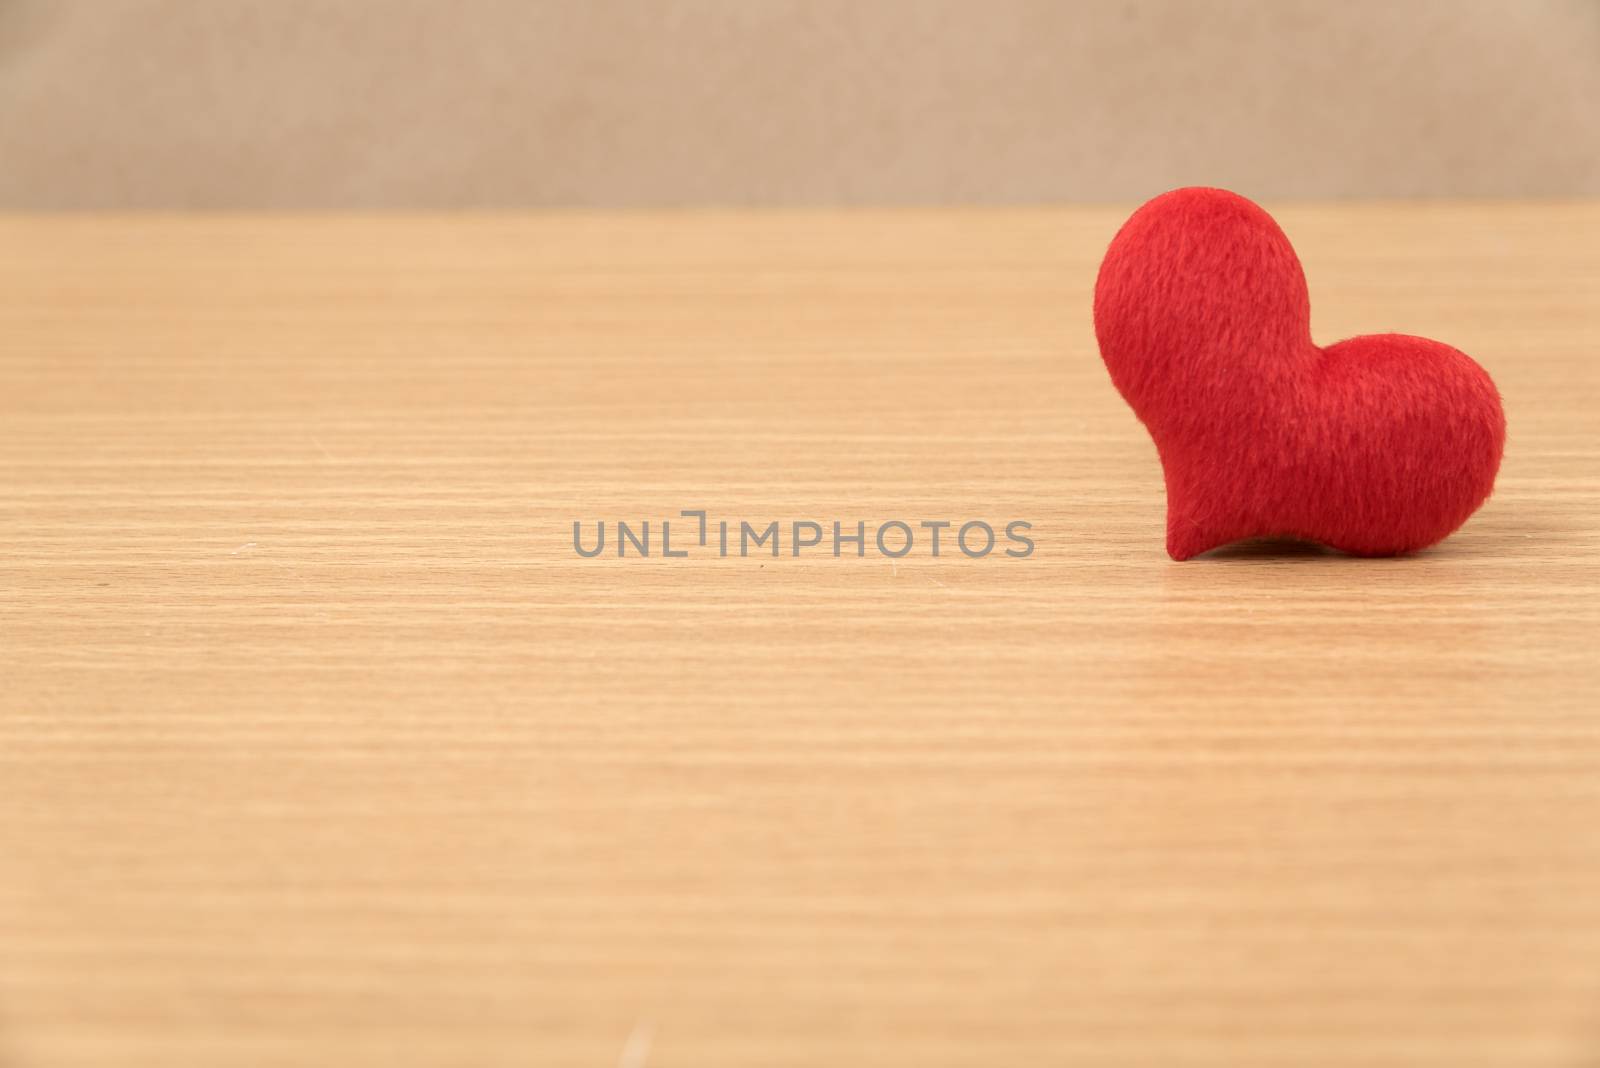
column 498, row 103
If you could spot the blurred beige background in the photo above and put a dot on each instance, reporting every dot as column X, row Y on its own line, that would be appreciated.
column 493, row 103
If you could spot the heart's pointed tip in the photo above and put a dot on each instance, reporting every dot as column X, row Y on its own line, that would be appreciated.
column 1186, row 545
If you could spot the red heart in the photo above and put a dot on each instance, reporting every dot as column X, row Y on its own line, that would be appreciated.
column 1377, row 445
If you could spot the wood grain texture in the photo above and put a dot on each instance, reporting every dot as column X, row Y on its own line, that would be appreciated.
column 320, row 746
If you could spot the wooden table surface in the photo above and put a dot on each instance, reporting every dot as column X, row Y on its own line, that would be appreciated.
column 321, row 746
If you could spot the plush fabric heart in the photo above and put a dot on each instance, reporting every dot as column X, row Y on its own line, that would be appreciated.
column 1377, row 445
